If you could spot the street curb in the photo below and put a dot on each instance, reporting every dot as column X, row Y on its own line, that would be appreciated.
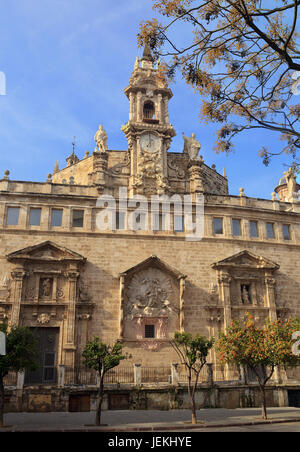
column 150, row 429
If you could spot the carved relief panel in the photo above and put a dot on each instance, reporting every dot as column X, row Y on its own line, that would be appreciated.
column 150, row 304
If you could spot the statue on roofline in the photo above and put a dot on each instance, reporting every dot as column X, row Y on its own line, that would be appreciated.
column 191, row 146
column 101, row 140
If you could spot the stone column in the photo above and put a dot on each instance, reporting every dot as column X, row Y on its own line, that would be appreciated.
column 69, row 343
column 17, row 286
column 210, row 377
column 137, row 374
column 166, row 110
column 181, row 304
column 122, row 292
column 174, row 373
column 270, row 296
column 61, row 375
column 224, row 282
column 19, row 389
column 139, row 107
column 279, row 374
column 159, row 108
column 2, row 214
column 131, row 106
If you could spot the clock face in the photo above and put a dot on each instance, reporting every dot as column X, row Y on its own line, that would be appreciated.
column 150, row 142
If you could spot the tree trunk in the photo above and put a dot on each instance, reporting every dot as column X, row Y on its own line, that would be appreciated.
column 192, row 399
column 100, row 400
column 263, row 402
column 1, row 402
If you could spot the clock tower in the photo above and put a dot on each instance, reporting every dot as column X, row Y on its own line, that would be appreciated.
column 148, row 130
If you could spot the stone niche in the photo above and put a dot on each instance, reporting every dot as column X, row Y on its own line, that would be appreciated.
column 247, row 282
column 46, row 290
column 151, row 303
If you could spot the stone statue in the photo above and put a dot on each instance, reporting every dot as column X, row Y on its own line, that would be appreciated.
column 46, row 285
column 101, row 140
column 292, row 193
column 245, row 295
column 191, row 146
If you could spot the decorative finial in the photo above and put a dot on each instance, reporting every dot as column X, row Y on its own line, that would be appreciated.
column 224, row 173
column 86, row 154
column 56, row 167
column 147, row 53
column 49, row 178
column 242, row 193
column 74, row 145
column 6, row 174
column 213, row 167
column 274, row 198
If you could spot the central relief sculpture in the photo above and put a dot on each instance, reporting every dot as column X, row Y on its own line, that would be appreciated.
column 148, row 294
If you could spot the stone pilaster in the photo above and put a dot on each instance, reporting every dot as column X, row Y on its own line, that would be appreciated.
column 270, row 296
column 122, row 293
column 195, row 175
column 224, row 282
column 17, row 287
column 69, row 339
column 181, row 303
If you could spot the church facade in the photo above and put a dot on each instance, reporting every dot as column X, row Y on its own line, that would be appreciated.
column 135, row 245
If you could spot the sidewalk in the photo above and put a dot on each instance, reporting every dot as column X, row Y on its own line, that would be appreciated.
column 145, row 420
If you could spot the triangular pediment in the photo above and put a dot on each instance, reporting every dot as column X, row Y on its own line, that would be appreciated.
column 45, row 252
column 246, row 259
column 154, row 261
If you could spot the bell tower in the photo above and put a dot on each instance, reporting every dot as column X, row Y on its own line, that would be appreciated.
column 148, row 130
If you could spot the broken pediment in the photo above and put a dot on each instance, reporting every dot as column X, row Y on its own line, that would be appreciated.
column 245, row 259
column 45, row 252
column 154, row 261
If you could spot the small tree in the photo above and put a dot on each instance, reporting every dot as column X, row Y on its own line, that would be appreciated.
column 102, row 358
column 21, row 354
column 259, row 349
column 193, row 354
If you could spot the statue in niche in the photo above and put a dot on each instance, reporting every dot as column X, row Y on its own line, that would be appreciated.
column 191, row 146
column 101, row 140
column 245, row 294
column 46, row 287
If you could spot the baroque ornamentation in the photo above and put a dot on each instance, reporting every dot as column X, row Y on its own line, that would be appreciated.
column 148, row 294
column 43, row 319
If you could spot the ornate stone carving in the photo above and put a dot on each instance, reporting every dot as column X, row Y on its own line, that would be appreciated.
column 84, row 295
column 148, row 294
column 150, row 178
column 176, row 171
column 43, row 319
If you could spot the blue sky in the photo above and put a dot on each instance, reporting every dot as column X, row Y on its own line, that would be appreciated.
column 66, row 64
